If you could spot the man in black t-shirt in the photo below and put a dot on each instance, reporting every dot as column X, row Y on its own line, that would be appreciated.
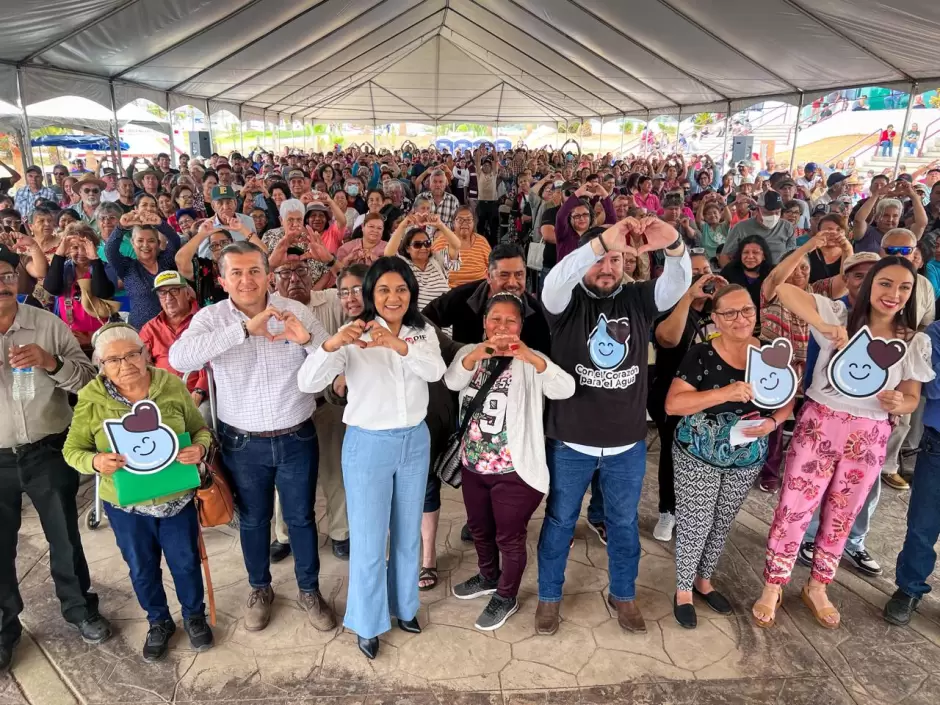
column 687, row 324
column 600, row 328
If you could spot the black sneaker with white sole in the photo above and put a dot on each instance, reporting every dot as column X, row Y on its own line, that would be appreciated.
column 599, row 528
column 806, row 553
column 496, row 612
column 477, row 586
column 863, row 561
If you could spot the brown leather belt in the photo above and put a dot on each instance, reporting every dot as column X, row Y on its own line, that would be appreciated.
column 268, row 434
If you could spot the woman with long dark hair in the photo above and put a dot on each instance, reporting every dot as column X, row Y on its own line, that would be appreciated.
column 840, row 441
column 749, row 266
column 388, row 356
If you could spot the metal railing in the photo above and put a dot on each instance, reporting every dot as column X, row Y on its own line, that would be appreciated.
column 853, row 146
column 927, row 133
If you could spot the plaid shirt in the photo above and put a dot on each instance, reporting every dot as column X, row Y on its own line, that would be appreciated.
column 25, row 200
column 447, row 208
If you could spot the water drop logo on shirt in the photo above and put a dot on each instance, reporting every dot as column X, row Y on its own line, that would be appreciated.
column 769, row 373
column 142, row 438
column 607, row 343
column 860, row 369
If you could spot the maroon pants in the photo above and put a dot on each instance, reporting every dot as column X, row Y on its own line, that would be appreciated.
column 498, row 509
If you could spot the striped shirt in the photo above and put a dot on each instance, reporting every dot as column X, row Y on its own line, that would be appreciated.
column 432, row 280
column 474, row 259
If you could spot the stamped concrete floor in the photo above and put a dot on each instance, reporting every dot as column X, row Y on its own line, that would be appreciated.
column 590, row 660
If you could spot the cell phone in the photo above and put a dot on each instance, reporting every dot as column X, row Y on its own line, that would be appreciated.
column 709, row 288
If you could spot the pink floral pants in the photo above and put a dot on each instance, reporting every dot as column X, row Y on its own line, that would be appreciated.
column 833, row 461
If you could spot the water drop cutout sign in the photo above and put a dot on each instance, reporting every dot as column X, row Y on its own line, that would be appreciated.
column 142, row 438
column 860, row 369
column 770, row 375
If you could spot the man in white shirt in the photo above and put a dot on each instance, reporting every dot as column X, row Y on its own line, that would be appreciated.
column 109, row 177
column 256, row 344
column 225, row 205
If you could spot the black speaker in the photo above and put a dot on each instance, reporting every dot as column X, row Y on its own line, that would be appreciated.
column 200, row 145
column 742, row 147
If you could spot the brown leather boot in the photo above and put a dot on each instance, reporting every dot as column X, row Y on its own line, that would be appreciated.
column 546, row 618
column 628, row 615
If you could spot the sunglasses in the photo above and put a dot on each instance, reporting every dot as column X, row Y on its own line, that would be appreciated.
column 421, row 244
column 904, row 251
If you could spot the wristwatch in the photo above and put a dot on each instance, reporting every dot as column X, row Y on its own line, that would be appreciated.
column 245, row 328
column 675, row 244
column 59, row 362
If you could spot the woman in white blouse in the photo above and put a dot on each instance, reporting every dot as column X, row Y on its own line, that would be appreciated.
column 412, row 242
column 388, row 356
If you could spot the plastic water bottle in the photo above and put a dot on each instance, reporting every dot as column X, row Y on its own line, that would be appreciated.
column 24, row 388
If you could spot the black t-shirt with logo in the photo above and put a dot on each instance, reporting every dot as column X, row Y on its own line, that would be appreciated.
column 603, row 344
column 550, row 256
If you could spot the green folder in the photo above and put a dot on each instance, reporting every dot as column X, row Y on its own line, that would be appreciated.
column 176, row 477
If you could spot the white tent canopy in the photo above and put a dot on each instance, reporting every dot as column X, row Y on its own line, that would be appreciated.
column 462, row 60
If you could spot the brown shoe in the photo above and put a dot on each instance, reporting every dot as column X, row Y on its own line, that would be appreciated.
column 546, row 618
column 628, row 615
column 318, row 612
column 258, row 610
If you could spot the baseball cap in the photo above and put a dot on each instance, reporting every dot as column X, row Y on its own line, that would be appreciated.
column 772, row 201
column 857, row 259
column 783, row 183
column 9, row 256
column 221, row 193
column 906, row 177
column 168, row 278
column 296, row 174
column 108, row 171
column 33, row 168
column 811, row 166
column 835, row 177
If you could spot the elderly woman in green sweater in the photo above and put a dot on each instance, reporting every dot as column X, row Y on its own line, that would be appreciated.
column 164, row 525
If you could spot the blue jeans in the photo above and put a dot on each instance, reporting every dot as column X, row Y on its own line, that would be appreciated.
column 385, row 474
column 595, row 511
column 918, row 557
column 257, row 466
column 887, row 148
column 142, row 539
column 621, row 479
column 861, row 527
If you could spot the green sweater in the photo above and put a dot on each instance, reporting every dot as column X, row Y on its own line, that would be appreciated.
column 87, row 437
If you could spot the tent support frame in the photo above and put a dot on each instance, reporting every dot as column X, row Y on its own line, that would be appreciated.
column 209, row 127
column 117, row 132
column 716, row 178
column 169, row 126
column 907, row 123
column 796, row 131
column 26, row 151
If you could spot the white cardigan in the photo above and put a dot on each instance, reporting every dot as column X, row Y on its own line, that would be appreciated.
column 525, row 426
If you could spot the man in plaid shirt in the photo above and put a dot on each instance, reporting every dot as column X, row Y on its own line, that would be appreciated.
column 442, row 203
column 25, row 199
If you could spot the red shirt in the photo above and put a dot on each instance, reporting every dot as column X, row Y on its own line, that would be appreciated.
column 887, row 136
column 158, row 337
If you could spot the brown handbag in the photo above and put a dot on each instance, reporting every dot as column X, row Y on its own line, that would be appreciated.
column 215, row 503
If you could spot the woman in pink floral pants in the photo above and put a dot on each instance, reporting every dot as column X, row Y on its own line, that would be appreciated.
column 839, row 443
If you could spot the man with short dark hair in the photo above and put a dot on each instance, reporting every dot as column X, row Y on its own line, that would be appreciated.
column 443, row 204
column 26, row 196
column 765, row 221
column 463, row 306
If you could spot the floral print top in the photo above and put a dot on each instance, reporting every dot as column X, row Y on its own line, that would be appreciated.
column 485, row 447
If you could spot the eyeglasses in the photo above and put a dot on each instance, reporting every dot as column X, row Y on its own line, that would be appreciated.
column 286, row 274
column 352, row 291
column 579, row 216
column 114, row 363
column 904, row 251
column 165, row 292
column 420, row 244
column 463, row 220
column 10, row 278
column 91, row 191
column 214, row 246
column 731, row 314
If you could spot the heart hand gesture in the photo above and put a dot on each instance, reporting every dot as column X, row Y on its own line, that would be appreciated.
column 350, row 334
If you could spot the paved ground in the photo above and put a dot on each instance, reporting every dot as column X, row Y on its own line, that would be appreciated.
column 590, row 660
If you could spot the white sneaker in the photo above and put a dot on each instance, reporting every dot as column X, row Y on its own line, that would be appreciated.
column 664, row 527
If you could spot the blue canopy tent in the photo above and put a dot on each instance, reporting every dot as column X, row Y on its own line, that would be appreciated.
column 95, row 143
column 444, row 144
column 463, row 144
column 503, row 145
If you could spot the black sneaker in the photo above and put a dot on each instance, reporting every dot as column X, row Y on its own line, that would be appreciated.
column 94, row 630
column 200, row 634
column 158, row 640
column 465, row 534
column 279, row 551
column 806, row 553
column 900, row 608
column 6, row 655
column 341, row 549
column 477, row 586
column 599, row 528
column 496, row 612
column 863, row 561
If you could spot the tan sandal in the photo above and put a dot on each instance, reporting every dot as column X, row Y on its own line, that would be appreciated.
column 821, row 613
column 772, row 610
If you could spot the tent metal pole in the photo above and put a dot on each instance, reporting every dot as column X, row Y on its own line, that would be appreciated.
column 646, row 141
column 675, row 147
column 724, row 147
column 26, row 149
column 117, row 133
column 264, row 126
column 169, row 128
column 907, row 121
column 796, row 131
column 209, row 127
column 241, row 129
column 600, row 143
column 623, row 127
column 303, row 127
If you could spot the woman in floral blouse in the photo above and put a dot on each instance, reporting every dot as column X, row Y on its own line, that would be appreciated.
column 504, row 473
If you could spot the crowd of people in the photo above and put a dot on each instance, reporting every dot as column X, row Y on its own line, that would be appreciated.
column 505, row 322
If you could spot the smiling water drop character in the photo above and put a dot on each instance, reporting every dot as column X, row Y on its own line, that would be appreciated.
column 607, row 343
column 140, row 437
column 770, row 374
column 860, row 369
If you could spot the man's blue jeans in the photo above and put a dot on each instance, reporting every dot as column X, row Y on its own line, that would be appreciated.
column 887, row 148
column 142, row 539
column 918, row 557
column 621, row 479
column 859, row 531
column 257, row 466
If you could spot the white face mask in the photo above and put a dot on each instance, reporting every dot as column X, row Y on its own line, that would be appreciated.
column 770, row 221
